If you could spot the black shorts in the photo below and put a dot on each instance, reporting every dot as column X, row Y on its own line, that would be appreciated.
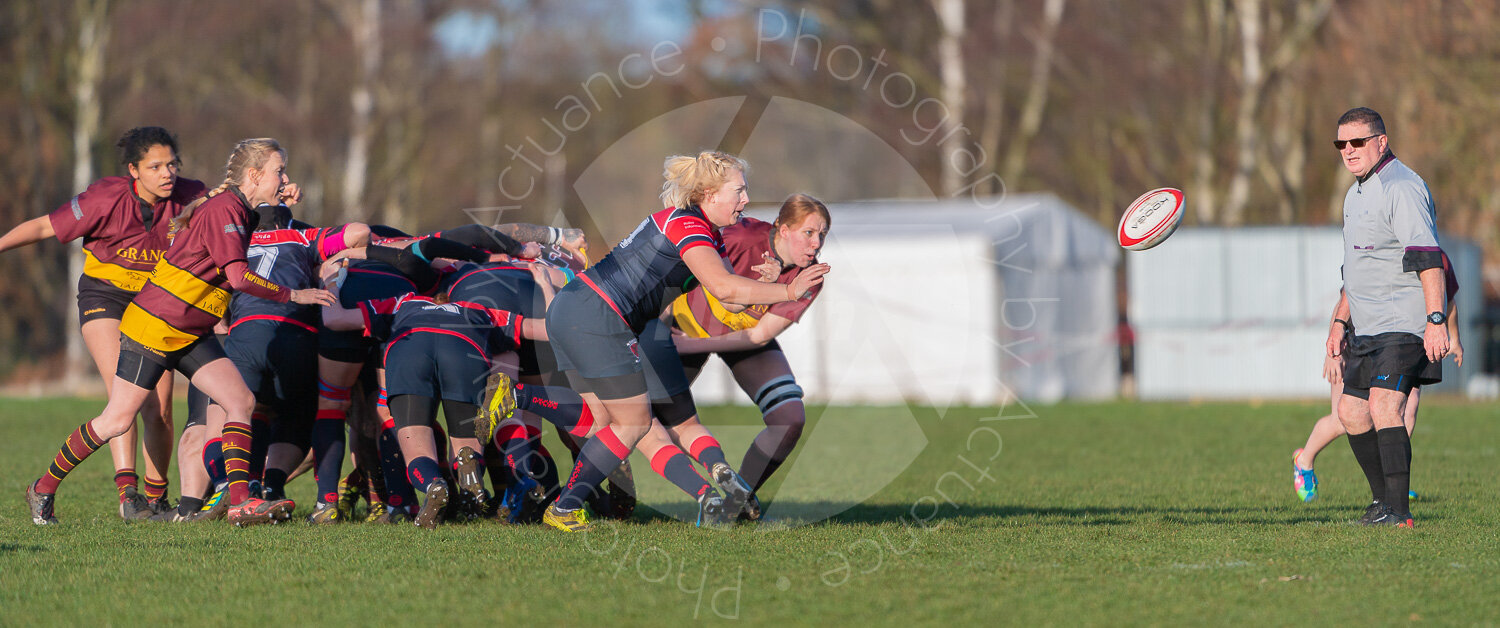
column 1393, row 361
column 143, row 366
column 98, row 299
column 197, row 403
column 417, row 410
column 279, row 363
column 352, row 347
column 438, row 366
column 693, row 362
column 597, row 350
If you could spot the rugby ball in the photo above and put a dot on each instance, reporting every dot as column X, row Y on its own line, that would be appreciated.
column 1151, row 218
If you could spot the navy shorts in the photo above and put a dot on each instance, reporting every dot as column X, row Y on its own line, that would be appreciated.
column 593, row 345
column 438, row 366
column 279, row 363
column 1393, row 361
column 100, row 299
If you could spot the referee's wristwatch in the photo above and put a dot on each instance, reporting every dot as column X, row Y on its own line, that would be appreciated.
column 1437, row 318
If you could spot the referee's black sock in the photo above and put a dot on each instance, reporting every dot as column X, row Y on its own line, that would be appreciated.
column 1395, row 459
column 1367, row 453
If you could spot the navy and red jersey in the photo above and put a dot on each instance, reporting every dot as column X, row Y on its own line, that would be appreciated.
column 502, row 285
column 701, row 315
column 645, row 271
column 123, row 235
column 488, row 330
column 368, row 280
column 287, row 257
column 189, row 288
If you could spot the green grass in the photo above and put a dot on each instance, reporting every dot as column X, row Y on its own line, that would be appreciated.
column 1093, row 514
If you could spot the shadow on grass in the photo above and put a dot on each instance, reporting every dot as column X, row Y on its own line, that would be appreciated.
column 793, row 514
column 7, row 548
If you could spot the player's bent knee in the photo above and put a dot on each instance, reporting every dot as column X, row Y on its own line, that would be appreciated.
column 777, row 393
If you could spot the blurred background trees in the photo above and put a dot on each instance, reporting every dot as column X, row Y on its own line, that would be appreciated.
column 429, row 113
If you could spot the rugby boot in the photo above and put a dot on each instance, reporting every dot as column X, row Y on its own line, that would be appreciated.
column 160, row 505
column 1304, row 481
column 172, row 516
column 752, row 506
column 470, row 476
column 436, row 499
column 351, row 488
column 133, row 505
column 710, row 509
column 325, row 513
column 40, row 505
column 568, row 521
column 216, row 507
column 497, row 404
column 1372, row 512
column 738, row 496
column 255, row 511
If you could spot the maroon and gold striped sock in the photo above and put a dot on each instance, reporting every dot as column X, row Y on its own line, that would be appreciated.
column 156, row 488
column 237, row 443
column 82, row 442
column 125, row 478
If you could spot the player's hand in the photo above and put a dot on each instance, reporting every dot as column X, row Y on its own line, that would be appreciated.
column 1335, row 344
column 1457, row 351
column 531, row 250
column 769, row 267
column 1333, row 370
column 540, row 273
column 291, row 194
column 807, row 279
column 1435, row 341
column 313, row 296
column 573, row 240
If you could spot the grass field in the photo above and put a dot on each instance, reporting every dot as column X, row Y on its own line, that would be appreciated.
column 1089, row 514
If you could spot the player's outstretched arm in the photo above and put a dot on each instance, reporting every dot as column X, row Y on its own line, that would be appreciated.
column 29, row 232
column 710, row 270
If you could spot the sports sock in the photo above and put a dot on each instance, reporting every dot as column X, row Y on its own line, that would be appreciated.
column 1395, row 461
column 516, row 445
column 82, row 442
column 260, row 432
column 213, row 462
column 560, row 406
column 1367, row 452
column 548, row 478
column 189, row 505
column 328, row 453
column 670, row 463
column 237, row 443
column 599, row 456
column 156, row 488
column 274, row 483
column 398, row 491
column 422, row 472
column 125, row 478
column 758, row 465
column 706, row 451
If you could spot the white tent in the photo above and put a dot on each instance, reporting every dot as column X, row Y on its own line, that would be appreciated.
column 1244, row 313
column 955, row 301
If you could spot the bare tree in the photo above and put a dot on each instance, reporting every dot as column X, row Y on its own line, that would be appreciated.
column 1036, row 93
column 362, row 19
column 950, row 15
column 88, row 72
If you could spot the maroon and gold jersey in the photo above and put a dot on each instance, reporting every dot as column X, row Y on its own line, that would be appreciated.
column 189, row 288
column 123, row 236
column 701, row 315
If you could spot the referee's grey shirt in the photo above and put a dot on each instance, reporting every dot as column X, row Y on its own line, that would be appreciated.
column 1390, row 235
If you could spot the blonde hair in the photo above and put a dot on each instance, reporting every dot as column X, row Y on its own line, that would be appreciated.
column 251, row 153
column 689, row 179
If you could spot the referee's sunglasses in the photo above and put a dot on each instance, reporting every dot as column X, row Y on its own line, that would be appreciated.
column 1358, row 142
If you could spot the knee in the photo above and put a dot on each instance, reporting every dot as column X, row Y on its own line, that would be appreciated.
column 108, row 426
column 630, row 433
column 781, row 400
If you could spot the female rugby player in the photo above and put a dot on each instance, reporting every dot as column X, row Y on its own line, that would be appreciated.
column 169, row 324
column 123, row 222
column 595, row 322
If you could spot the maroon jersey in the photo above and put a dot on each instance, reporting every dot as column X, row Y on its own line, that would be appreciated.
column 123, row 235
column 699, row 314
column 188, row 291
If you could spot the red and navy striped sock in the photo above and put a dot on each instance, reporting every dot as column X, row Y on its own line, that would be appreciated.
column 398, row 491
column 600, row 456
column 515, row 443
column 328, row 453
column 706, row 451
column 125, row 478
column 156, row 488
column 560, row 406
column 422, row 471
column 670, row 463
column 237, row 443
column 82, row 442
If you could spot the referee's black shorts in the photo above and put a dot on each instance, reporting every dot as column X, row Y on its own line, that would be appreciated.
column 1392, row 360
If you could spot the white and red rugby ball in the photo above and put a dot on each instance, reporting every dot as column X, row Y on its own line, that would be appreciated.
column 1150, row 219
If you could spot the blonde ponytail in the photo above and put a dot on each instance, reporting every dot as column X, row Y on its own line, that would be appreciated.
column 251, row 153
column 689, row 179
